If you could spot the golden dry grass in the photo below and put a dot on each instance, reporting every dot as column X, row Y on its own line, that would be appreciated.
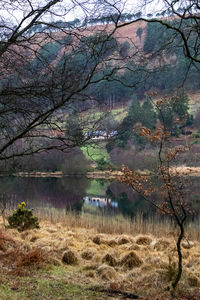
column 118, row 224
column 131, row 261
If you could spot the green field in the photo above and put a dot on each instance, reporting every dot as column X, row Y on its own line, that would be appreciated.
column 97, row 187
column 50, row 283
column 96, row 151
column 119, row 113
column 194, row 107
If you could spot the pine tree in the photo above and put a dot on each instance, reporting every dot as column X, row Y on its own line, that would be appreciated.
column 174, row 113
column 148, row 114
column 73, row 128
column 134, row 116
column 180, row 104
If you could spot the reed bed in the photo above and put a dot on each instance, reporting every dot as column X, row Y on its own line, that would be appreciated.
column 118, row 224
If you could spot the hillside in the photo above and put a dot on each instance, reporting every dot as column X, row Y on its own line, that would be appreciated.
column 139, row 50
column 125, row 33
column 73, row 70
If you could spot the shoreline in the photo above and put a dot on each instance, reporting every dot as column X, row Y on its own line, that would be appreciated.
column 59, row 174
column 98, row 174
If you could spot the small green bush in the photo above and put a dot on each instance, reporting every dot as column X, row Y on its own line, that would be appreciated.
column 23, row 219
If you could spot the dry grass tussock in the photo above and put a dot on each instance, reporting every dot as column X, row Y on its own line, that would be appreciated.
column 137, row 263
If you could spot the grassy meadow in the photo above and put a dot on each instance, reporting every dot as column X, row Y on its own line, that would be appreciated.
column 95, row 151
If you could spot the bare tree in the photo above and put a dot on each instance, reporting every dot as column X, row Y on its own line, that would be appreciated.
column 47, row 64
column 169, row 184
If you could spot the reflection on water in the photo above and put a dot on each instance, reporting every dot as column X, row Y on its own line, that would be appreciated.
column 80, row 193
column 40, row 192
column 100, row 201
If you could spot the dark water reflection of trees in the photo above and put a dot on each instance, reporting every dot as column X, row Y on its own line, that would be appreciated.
column 70, row 192
column 53, row 192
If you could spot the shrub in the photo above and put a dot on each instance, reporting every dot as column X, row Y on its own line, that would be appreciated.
column 23, row 218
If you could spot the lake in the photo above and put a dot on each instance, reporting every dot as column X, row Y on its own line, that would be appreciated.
column 80, row 193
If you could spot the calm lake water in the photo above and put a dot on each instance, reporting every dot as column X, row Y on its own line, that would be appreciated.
column 80, row 193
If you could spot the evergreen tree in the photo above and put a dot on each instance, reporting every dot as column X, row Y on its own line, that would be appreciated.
column 148, row 114
column 135, row 111
column 139, row 33
column 180, row 104
column 73, row 129
column 126, row 130
column 174, row 113
column 124, row 49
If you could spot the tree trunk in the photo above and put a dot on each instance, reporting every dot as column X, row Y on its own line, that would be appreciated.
column 178, row 247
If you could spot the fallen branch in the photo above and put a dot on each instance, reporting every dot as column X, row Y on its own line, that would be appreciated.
column 112, row 291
